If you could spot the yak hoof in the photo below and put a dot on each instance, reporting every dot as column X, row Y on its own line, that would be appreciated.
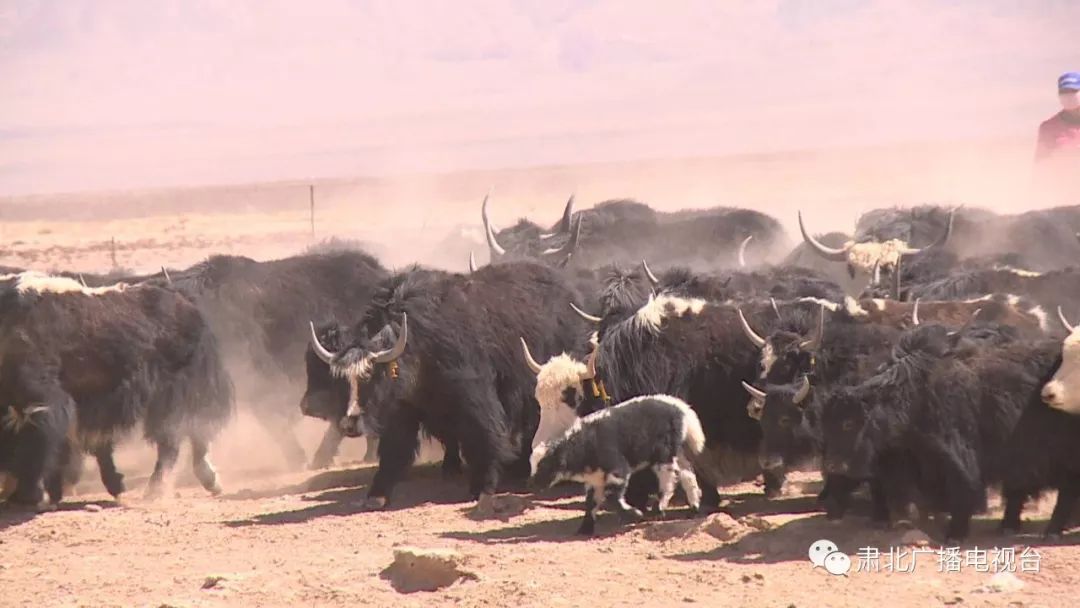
column 586, row 529
column 630, row 515
column 46, row 506
column 375, row 503
column 485, row 505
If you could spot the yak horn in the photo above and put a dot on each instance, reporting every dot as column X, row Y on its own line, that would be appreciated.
column 835, row 255
column 944, row 238
column 590, row 365
column 755, row 392
column 750, row 334
column 317, row 346
column 533, row 365
column 585, row 315
column 392, row 353
column 776, row 309
column 804, row 390
column 815, row 342
column 915, row 313
column 571, row 244
column 649, row 274
column 493, row 245
column 1064, row 321
column 472, row 262
column 565, row 223
column 742, row 250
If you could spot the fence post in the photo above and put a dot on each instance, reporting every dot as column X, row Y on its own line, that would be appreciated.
column 311, row 197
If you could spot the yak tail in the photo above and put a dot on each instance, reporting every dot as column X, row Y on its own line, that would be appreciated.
column 693, row 435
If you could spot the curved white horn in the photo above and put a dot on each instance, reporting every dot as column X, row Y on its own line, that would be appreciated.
column 776, row 309
column 165, row 272
column 571, row 243
column 815, row 342
column 938, row 243
column 742, row 250
column 565, row 223
column 755, row 392
column 915, row 313
column 750, row 334
column 317, row 346
column 493, row 245
column 472, row 262
column 590, row 365
column 585, row 315
column 533, row 365
column 82, row 280
column 804, row 390
column 395, row 351
column 1064, row 321
column 649, row 274
column 835, row 255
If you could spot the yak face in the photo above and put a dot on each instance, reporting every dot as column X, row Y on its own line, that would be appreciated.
column 786, row 354
column 845, row 418
column 547, row 465
column 526, row 240
column 377, row 374
column 566, row 390
column 786, row 424
column 1062, row 392
column 326, row 396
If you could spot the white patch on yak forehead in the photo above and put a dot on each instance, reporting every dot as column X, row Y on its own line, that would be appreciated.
column 864, row 256
column 359, row 370
column 1065, row 385
column 42, row 283
column 557, row 375
column 659, row 308
column 556, row 416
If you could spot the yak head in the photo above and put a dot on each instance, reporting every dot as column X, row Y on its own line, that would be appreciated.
column 326, row 396
column 845, row 421
column 785, row 354
column 787, row 428
column 866, row 261
column 376, row 371
column 527, row 240
column 566, row 390
column 548, row 463
column 1062, row 392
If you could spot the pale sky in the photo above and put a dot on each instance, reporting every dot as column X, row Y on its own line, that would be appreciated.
column 117, row 94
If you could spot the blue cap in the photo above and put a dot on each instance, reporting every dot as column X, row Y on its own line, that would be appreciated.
column 1069, row 81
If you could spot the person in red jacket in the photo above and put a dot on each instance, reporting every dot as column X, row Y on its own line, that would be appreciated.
column 1060, row 134
column 1057, row 153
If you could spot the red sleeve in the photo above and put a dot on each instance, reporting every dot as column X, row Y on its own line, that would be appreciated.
column 1045, row 143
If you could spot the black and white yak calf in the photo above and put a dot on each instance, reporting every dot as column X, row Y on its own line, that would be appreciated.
column 441, row 352
column 603, row 449
column 83, row 366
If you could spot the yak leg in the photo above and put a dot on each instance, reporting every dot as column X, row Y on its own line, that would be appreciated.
column 451, row 463
column 485, row 442
column 328, row 448
column 1014, row 506
column 1068, row 492
column 689, row 484
column 398, row 444
column 371, row 453
column 204, row 470
column 615, row 491
column 588, row 525
column 667, row 474
column 168, row 449
column 110, row 476
column 774, row 482
column 965, row 493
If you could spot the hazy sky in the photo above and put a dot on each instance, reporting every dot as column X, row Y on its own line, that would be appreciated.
column 100, row 94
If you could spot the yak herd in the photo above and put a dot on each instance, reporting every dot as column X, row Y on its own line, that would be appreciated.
column 929, row 355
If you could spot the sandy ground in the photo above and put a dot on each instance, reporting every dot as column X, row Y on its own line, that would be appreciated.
column 280, row 538
column 303, row 539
